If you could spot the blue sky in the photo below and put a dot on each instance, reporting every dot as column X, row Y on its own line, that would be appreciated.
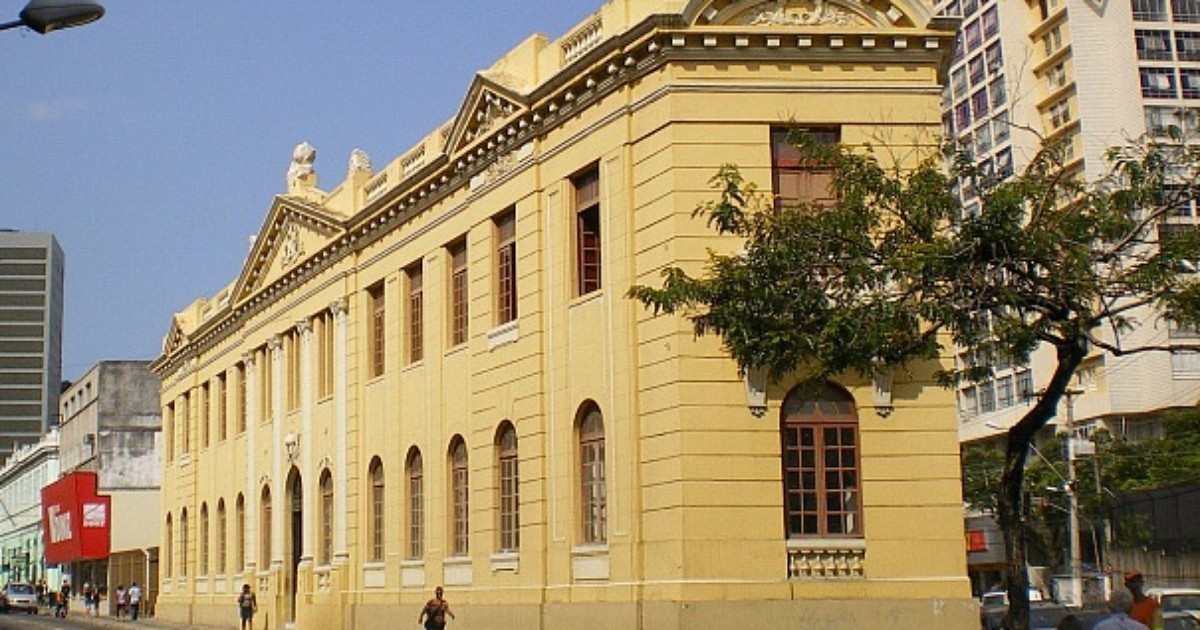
column 151, row 143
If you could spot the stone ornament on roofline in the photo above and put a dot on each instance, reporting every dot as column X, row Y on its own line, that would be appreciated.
column 301, row 172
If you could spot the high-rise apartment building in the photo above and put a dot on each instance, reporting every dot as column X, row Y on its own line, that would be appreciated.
column 31, row 309
column 1090, row 76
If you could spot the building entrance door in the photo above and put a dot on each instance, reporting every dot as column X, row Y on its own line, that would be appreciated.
column 295, row 539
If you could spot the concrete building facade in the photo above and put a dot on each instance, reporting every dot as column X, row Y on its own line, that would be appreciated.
column 31, row 310
column 112, row 426
column 429, row 374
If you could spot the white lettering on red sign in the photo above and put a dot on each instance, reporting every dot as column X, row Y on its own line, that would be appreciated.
column 60, row 524
column 95, row 515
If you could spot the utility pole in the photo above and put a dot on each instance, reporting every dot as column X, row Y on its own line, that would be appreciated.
column 1073, row 498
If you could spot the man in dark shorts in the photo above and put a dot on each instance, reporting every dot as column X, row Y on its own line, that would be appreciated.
column 433, row 615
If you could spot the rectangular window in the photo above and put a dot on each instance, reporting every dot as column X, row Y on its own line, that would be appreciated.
column 266, row 383
column 1153, row 45
column 1187, row 45
column 998, row 94
column 1004, row 163
column 1052, row 41
column 185, row 424
column 292, row 348
column 1186, row 11
column 1189, row 83
column 993, row 59
column 959, row 83
column 169, row 431
column 799, row 179
column 987, row 397
column 1150, row 10
column 1001, row 128
column 1060, row 114
column 966, row 403
column 240, row 403
column 1004, row 392
column 202, row 406
column 1158, row 83
column 983, row 140
column 977, row 68
column 1056, row 76
column 458, row 292
column 1024, row 384
column 962, row 115
column 974, row 35
column 979, row 104
column 1159, row 120
column 416, row 314
column 323, row 335
column 587, row 230
column 377, row 330
column 222, row 406
column 991, row 22
column 505, row 226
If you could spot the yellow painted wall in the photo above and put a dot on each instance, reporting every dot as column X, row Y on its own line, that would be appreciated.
column 694, row 490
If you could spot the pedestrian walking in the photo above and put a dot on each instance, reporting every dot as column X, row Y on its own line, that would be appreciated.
column 247, row 606
column 135, row 600
column 433, row 615
column 122, row 601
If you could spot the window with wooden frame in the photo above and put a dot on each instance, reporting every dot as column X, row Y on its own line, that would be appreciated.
column 416, row 313
column 202, row 408
column 185, row 426
column 183, row 543
column 458, row 292
column 264, row 526
column 169, row 431
column 505, row 225
column 819, row 427
column 323, row 337
column 587, row 230
column 292, row 347
column 326, row 534
column 377, row 522
column 460, row 497
column 240, row 533
column 509, row 501
column 168, row 565
column 266, row 382
column 222, row 538
column 202, row 567
column 414, row 470
column 376, row 330
column 798, row 178
column 593, row 491
column 222, row 386
column 242, row 409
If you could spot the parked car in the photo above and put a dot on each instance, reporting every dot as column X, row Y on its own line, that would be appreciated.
column 21, row 597
column 1176, row 599
column 1180, row 620
column 1045, row 616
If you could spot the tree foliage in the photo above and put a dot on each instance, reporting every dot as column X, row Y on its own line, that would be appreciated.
column 885, row 275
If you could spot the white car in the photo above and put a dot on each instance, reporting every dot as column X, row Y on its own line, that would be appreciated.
column 1176, row 599
column 998, row 599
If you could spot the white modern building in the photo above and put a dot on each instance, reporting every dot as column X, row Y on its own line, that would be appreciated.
column 21, row 479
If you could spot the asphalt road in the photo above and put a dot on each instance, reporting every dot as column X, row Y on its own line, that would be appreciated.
column 20, row 621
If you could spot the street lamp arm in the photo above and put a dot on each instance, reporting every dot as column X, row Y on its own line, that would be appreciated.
column 14, row 24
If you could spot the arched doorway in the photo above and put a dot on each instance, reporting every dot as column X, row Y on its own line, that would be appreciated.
column 295, row 540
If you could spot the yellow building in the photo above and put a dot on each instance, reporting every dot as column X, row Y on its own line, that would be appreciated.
column 430, row 374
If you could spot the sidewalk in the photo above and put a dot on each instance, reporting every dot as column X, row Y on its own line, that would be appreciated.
column 126, row 624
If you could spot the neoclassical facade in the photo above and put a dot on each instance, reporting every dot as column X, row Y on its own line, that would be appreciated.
column 430, row 374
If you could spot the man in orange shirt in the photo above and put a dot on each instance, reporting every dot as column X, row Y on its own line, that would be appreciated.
column 1145, row 609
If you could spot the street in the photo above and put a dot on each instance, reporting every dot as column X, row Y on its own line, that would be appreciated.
column 17, row 621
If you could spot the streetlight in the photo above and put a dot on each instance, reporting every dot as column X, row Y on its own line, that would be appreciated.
column 44, row 16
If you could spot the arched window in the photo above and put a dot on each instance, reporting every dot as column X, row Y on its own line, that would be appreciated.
column 377, row 511
column 264, row 525
column 819, row 427
column 202, row 568
column 459, row 491
column 183, row 543
column 416, row 501
column 593, row 493
column 240, row 541
column 508, row 501
column 170, row 547
column 222, row 538
column 326, row 488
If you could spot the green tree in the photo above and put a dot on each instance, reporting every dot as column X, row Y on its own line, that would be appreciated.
column 882, row 276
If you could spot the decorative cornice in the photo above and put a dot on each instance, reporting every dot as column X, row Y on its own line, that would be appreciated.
column 596, row 71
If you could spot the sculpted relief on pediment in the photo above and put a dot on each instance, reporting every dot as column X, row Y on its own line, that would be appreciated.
column 790, row 13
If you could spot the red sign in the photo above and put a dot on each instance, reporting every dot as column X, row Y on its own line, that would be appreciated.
column 75, row 520
column 976, row 541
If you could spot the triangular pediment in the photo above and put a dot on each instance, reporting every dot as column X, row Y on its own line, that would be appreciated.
column 491, row 102
column 808, row 13
column 293, row 232
column 176, row 338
